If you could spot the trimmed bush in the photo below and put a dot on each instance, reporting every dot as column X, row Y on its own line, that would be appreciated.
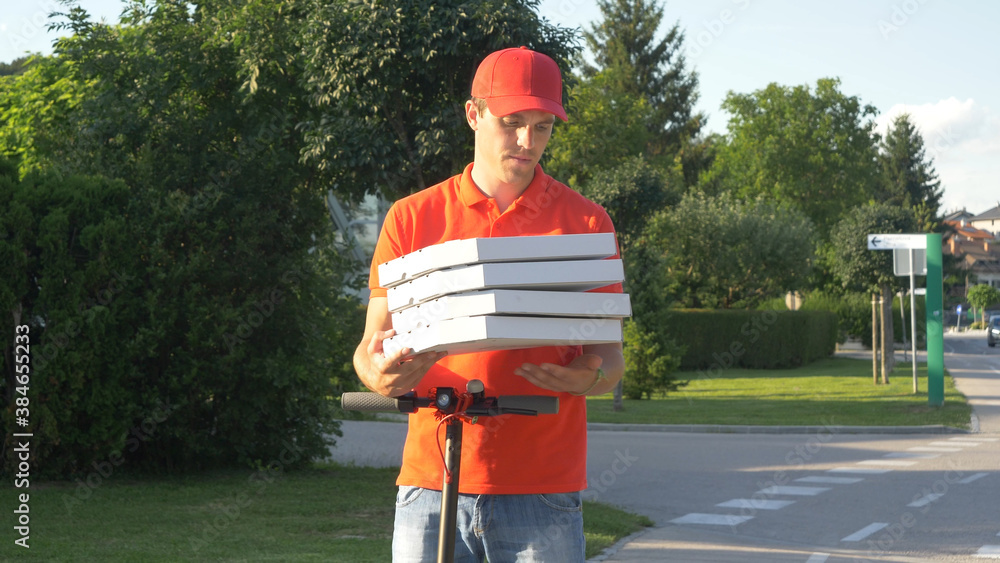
column 722, row 339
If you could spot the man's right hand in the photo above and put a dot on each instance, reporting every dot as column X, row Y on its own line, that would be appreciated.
column 392, row 375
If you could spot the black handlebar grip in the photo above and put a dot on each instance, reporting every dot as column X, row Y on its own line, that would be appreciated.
column 540, row 404
column 368, row 402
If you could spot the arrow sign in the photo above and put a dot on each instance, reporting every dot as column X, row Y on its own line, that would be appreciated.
column 891, row 241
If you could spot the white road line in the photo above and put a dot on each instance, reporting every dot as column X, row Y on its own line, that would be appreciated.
column 896, row 462
column 963, row 444
column 974, row 477
column 818, row 558
column 711, row 519
column 937, row 449
column 972, row 439
column 865, row 470
column 989, row 552
column 866, row 531
column 757, row 504
column 830, row 480
column 925, row 500
column 908, row 455
column 791, row 490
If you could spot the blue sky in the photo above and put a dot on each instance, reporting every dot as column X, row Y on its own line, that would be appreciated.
column 937, row 60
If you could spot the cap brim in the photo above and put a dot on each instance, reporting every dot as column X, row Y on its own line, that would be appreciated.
column 513, row 104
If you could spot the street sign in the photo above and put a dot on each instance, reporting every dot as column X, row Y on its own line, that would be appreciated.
column 890, row 241
column 901, row 261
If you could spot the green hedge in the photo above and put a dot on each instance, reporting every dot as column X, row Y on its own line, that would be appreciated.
column 721, row 339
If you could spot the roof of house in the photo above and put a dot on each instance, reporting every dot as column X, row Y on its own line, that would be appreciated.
column 957, row 216
column 969, row 232
column 988, row 214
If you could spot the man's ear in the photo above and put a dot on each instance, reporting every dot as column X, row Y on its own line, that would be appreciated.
column 472, row 114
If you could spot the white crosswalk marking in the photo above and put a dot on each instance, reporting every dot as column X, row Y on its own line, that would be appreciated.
column 791, row 490
column 950, row 443
column 818, row 558
column 829, row 480
column 866, row 531
column 896, row 462
column 711, row 519
column 925, row 500
column 908, row 455
column 757, row 504
column 973, row 477
column 989, row 552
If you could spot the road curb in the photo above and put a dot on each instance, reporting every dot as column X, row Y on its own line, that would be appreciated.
column 741, row 429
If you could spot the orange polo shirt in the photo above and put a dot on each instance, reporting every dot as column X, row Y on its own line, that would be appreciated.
column 509, row 454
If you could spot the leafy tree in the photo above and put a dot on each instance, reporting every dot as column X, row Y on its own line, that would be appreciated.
column 982, row 296
column 649, row 363
column 606, row 127
column 34, row 109
column 643, row 66
column 17, row 66
column 812, row 149
column 631, row 193
column 860, row 269
column 244, row 330
column 723, row 253
column 908, row 174
column 390, row 98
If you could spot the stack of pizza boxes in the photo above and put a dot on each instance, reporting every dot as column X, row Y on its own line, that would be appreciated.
column 484, row 294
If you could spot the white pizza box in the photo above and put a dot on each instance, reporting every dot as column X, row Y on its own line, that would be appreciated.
column 491, row 332
column 501, row 249
column 513, row 302
column 569, row 275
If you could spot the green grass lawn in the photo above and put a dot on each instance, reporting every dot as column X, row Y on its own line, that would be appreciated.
column 834, row 391
column 327, row 513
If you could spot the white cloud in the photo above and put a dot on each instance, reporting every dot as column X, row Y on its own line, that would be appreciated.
column 963, row 139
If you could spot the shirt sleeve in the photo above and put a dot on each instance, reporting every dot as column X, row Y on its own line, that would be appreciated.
column 388, row 247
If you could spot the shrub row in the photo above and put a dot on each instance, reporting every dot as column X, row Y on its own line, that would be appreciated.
column 721, row 339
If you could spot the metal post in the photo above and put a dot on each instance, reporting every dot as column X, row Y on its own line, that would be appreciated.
column 913, row 317
column 935, row 320
column 902, row 319
column 874, row 341
column 449, row 491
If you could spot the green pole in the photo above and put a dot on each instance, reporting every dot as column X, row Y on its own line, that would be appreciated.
column 935, row 323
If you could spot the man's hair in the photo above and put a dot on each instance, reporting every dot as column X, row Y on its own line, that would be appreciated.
column 480, row 104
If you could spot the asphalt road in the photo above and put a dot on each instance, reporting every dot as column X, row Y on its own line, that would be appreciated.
column 809, row 497
column 817, row 497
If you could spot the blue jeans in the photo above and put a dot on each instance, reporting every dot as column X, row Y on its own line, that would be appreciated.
column 498, row 528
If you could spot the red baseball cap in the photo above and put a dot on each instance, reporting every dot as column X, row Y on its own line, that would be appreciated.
column 519, row 79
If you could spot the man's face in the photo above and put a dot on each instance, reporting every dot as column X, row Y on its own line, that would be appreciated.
column 509, row 147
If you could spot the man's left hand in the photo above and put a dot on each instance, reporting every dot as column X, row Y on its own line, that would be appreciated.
column 575, row 377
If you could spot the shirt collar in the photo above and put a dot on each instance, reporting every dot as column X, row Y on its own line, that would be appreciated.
column 532, row 197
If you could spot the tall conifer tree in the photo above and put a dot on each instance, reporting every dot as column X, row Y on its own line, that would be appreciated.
column 627, row 39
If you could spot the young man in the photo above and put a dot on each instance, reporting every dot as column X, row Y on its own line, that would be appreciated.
column 522, row 477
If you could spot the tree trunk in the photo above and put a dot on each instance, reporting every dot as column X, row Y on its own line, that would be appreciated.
column 874, row 340
column 616, row 404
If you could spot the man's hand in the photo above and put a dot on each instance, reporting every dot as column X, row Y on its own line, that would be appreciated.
column 575, row 377
column 393, row 375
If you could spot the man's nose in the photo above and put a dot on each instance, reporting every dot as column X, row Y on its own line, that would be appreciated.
column 526, row 138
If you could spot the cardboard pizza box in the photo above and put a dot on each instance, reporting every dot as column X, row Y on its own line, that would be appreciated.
column 491, row 332
column 500, row 249
column 513, row 302
column 569, row 275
